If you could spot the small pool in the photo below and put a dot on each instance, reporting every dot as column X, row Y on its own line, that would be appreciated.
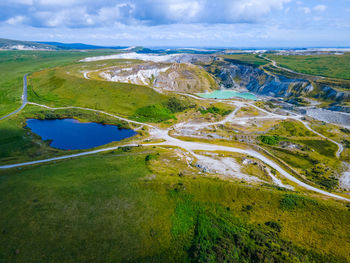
column 70, row 134
column 227, row 94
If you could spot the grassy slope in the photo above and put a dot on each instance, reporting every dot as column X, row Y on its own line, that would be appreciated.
column 14, row 64
column 58, row 88
column 314, row 152
column 104, row 209
column 98, row 208
column 323, row 65
column 247, row 58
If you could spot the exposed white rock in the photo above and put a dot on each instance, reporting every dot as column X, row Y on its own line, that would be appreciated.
column 133, row 55
column 227, row 167
column 142, row 76
column 329, row 116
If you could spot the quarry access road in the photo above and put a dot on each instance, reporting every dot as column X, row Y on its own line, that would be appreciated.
column 168, row 141
column 190, row 147
column 269, row 115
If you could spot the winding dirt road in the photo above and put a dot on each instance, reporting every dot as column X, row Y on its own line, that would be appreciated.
column 167, row 141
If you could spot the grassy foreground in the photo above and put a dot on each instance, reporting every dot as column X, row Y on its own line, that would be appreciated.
column 132, row 205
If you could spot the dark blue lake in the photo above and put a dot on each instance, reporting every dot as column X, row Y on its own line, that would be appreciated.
column 70, row 134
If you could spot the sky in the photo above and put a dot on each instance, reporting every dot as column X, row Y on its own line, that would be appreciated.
column 190, row 23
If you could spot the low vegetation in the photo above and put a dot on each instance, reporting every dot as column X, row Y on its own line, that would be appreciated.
column 146, row 203
column 291, row 128
column 162, row 112
column 323, row 65
column 215, row 110
column 251, row 59
column 14, row 64
column 270, row 140
column 95, row 205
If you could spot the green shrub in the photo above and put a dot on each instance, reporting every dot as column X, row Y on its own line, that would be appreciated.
column 153, row 113
column 150, row 157
column 270, row 140
column 346, row 143
column 345, row 130
column 215, row 110
column 219, row 236
column 329, row 183
column 274, row 225
column 176, row 105
column 292, row 201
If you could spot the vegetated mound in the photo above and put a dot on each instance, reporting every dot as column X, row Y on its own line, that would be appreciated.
column 164, row 77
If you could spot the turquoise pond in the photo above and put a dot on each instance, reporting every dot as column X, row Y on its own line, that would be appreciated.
column 227, row 94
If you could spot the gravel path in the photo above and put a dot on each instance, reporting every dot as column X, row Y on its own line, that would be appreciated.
column 171, row 141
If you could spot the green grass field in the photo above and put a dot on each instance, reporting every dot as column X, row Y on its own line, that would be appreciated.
column 116, row 207
column 312, row 156
column 251, row 59
column 14, row 64
column 147, row 204
column 332, row 66
column 56, row 87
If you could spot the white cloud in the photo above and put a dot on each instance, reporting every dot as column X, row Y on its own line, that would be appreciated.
column 59, row 2
column 184, row 11
column 53, row 13
column 22, row 2
column 115, row 13
column 320, row 8
column 306, row 10
column 15, row 20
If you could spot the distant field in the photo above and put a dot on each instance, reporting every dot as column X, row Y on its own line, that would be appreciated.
column 248, row 58
column 132, row 205
column 14, row 64
column 333, row 66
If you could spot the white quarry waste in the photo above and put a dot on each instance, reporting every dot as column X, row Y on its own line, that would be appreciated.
column 329, row 116
column 133, row 55
column 142, row 76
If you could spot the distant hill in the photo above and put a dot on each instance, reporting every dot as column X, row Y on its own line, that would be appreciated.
column 78, row 46
column 9, row 44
